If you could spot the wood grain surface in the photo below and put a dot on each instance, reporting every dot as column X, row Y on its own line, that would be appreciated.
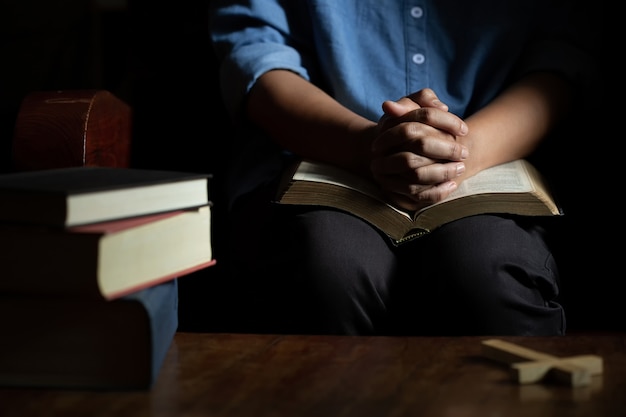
column 246, row 375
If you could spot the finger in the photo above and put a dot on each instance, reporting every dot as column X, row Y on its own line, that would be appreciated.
column 400, row 107
column 399, row 186
column 426, row 97
column 422, row 98
column 394, row 110
column 421, row 122
column 426, row 196
column 405, row 203
column 410, row 180
column 435, row 193
column 399, row 133
column 399, row 163
column 436, row 173
column 419, row 139
column 438, row 119
column 437, row 148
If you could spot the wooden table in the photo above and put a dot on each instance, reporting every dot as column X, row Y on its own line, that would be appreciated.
column 245, row 375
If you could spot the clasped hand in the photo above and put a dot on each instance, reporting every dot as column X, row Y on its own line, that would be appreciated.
column 416, row 156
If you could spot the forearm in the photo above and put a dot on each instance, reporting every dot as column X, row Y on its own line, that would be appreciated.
column 305, row 120
column 514, row 124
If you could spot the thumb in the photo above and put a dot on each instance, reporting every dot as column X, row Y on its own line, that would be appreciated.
column 400, row 107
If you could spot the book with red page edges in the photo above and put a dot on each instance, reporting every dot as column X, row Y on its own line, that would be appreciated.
column 105, row 260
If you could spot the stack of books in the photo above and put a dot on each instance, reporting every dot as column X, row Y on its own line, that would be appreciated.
column 90, row 260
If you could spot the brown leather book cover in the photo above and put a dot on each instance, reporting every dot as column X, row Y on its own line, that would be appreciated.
column 57, row 129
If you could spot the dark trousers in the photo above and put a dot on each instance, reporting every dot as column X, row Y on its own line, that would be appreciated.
column 315, row 270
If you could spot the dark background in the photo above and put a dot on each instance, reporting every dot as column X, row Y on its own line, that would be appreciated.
column 156, row 56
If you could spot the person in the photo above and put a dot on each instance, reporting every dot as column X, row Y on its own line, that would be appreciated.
column 418, row 97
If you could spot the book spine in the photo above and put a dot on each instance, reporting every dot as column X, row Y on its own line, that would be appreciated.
column 73, row 343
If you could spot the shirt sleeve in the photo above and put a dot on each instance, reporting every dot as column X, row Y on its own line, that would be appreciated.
column 251, row 38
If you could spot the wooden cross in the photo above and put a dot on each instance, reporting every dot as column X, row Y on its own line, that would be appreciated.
column 530, row 366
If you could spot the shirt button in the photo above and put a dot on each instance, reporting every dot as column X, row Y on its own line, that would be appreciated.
column 417, row 12
column 418, row 58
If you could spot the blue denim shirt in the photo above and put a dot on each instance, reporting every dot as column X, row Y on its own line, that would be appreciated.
column 363, row 52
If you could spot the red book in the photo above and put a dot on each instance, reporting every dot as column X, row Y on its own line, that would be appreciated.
column 105, row 260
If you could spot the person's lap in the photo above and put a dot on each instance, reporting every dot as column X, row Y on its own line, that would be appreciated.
column 316, row 270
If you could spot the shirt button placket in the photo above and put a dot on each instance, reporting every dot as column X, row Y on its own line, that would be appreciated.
column 417, row 13
column 416, row 46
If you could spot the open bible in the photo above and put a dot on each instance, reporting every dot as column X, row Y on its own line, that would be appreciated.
column 515, row 187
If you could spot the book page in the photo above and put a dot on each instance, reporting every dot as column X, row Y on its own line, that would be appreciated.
column 328, row 174
column 510, row 177
column 505, row 178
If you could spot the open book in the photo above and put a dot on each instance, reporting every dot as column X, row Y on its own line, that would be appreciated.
column 514, row 188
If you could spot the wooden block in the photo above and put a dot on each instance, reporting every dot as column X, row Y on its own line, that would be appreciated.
column 530, row 366
column 57, row 129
